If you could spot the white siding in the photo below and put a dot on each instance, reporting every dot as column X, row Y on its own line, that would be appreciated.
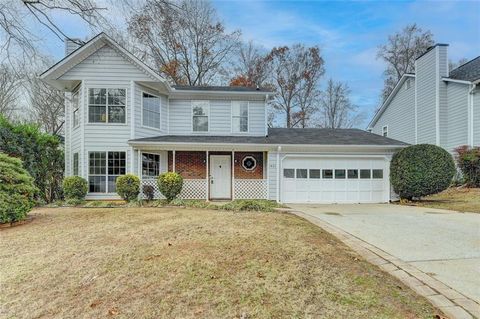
column 140, row 130
column 456, row 128
column 426, row 79
column 399, row 115
column 476, row 118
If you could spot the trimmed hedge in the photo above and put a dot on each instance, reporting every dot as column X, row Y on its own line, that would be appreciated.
column 468, row 160
column 74, row 188
column 421, row 170
column 128, row 187
column 17, row 191
column 170, row 185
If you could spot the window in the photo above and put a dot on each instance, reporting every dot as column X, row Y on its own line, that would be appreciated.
column 340, row 174
column 327, row 173
column 364, row 173
column 249, row 163
column 239, row 117
column 75, row 164
column 104, row 168
column 200, row 111
column 151, row 110
column 352, row 173
column 314, row 173
column 150, row 165
column 288, row 173
column 377, row 173
column 75, row 106
column 385, row 131
column 302, row 173
column 106, row 106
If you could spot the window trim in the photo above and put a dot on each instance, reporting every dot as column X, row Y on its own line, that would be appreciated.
column 232, row 116
column 106, row 105
column 106, row 175
column 159, row 113
column 192, row 102
column 159, row 165
column 385, row 131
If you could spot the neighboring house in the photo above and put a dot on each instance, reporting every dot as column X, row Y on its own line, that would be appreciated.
column 122, row 117
column 434, row 105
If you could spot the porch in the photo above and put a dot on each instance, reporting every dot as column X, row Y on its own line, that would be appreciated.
column 208, row 175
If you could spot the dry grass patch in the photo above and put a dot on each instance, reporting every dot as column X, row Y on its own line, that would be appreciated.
column 458, row 199
column 186, row 263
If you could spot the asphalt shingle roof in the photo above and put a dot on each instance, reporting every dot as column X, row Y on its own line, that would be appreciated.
column 283, row 136
column 219, row 88
column 469, row 71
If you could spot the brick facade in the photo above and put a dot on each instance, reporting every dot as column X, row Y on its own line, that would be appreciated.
column 192, row 164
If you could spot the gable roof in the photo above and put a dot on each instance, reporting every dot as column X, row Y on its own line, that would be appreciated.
column 284, row 136
column 219, row 88
column 390, row 98
column 469, row 71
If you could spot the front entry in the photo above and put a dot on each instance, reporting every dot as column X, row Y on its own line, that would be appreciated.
column 220, row 177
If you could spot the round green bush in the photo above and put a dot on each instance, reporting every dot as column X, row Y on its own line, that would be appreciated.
column 170, row 185
column 17, row 190
column 128, row 187
column 75, row 188
column 421, row 170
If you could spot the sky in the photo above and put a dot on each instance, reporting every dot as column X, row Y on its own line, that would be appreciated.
column 348, row 33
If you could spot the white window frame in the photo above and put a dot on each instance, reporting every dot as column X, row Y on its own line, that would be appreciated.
column 232, row 105
column 106, row 175
column 159, row 164
column 76, row 109
column 159, row 112
column 385, row 131
column 207, row 112
column 106, row 105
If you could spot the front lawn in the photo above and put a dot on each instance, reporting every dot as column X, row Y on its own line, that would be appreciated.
column 458, row 199
column 189, row 263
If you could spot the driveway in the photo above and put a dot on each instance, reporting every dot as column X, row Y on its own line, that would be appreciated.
column 443, row 244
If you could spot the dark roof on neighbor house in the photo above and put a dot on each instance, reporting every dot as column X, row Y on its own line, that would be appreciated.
column 469, row 71
column 283, row 136
column 219, row 88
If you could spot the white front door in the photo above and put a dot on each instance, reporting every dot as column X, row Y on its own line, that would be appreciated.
column 220, row 177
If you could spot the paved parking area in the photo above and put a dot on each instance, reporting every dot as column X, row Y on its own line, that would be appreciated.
column 442, row 244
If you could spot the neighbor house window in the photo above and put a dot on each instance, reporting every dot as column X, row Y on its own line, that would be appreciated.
column 75, row 164
column 151, row 110
column 239, row 117
column 75, row 107
column 150, row 165
column 200, row 111
column 106, row 105
column 385, row 131
column 103, row 170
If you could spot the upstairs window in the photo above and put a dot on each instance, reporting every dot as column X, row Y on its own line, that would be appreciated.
column 106, row 105
column 151, row 110
column 239, row 117
column 200, row 112
column 385, row 131
column 75, row 107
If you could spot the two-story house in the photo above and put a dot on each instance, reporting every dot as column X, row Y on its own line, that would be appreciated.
column 434, row 105
column 122, row 117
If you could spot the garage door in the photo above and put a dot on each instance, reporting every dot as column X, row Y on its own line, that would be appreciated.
column 334, row 180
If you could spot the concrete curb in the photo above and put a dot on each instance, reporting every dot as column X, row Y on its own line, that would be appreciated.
column 451, row 302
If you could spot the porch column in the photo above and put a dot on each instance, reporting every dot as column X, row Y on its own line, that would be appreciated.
column 139, row 163
column 173, row 160
column 233, row 175
column 207, row 166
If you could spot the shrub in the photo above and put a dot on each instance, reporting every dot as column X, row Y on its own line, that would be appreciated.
column 258, row 205
column 421, row 170
column 170, row 185
column 128, row 187
column 149, row 192
column 17, row 190
column 468, row 161
column 75, row 188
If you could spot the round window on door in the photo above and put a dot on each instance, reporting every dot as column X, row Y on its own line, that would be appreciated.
column 249, row 163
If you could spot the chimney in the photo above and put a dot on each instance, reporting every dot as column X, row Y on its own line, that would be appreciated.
column 72, row 44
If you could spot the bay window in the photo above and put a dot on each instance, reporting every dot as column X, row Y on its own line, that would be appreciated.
column 200, row 112
column 75, row 107
column 106, row 105
column 103, row 170
column 239, row 117
column 150, row 110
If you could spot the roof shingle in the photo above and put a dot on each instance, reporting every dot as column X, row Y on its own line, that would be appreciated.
column 469, row 71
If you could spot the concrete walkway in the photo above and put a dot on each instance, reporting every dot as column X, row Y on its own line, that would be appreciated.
column 441, row 245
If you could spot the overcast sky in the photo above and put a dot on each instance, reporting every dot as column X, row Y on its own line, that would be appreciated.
column 347, row 32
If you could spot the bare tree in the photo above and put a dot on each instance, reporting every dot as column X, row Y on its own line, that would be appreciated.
column 184, row 40
column 251, row 68
column 295, row 74
column 336, row 110
column 400, row 52
column 9, row 83
column 453, row 65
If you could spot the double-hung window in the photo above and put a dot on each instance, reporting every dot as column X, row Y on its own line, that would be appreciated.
column 200, row 112
column 106, row 105
column 385, row 131
column 103, row 170
column 75, row 107
column 239, row 117
column 151, row 110
column 150, row 165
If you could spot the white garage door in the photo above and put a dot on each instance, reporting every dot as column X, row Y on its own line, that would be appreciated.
column 334, row 180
